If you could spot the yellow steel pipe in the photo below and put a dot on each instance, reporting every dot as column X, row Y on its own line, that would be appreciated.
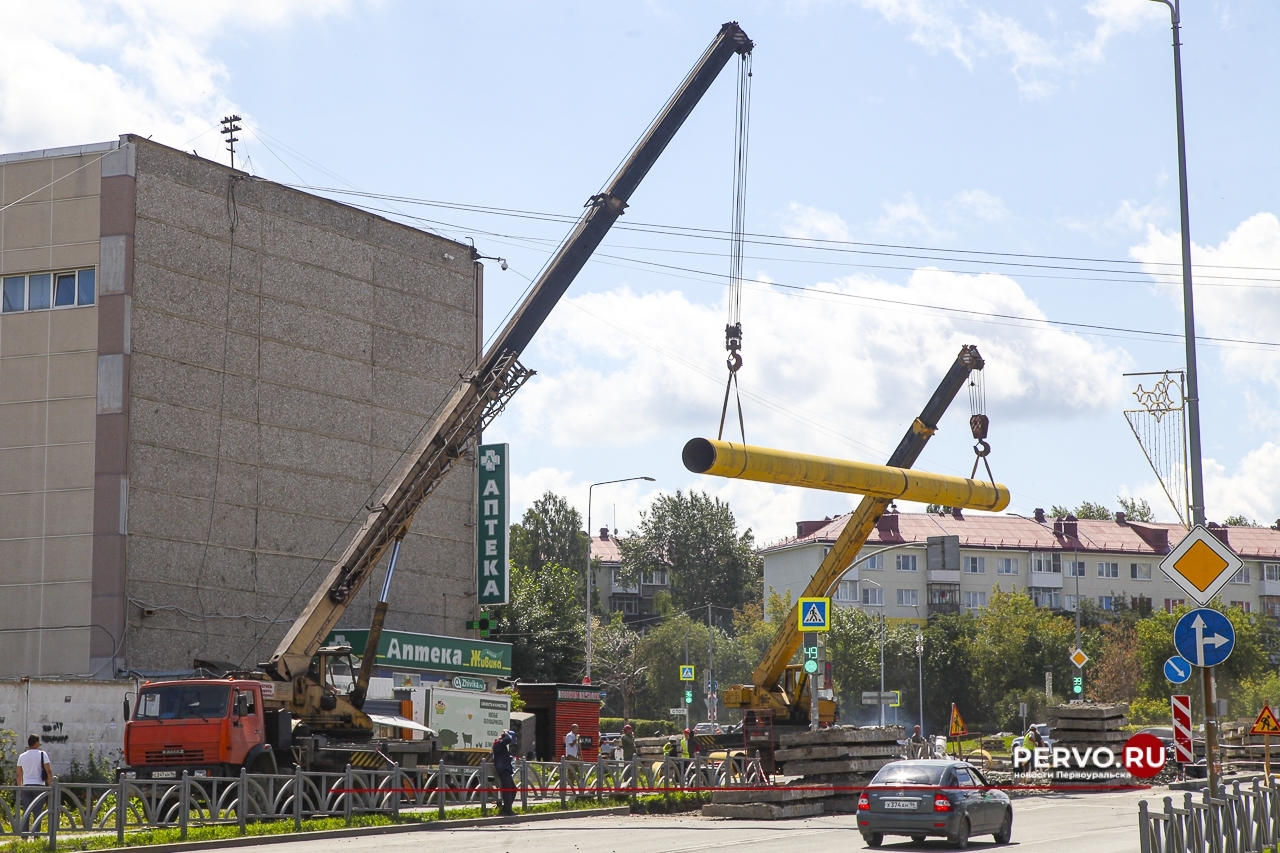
column 765, row 465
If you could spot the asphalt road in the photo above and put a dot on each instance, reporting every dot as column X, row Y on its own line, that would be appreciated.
column 1090, row 823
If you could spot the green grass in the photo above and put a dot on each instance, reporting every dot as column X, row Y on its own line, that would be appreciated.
column 653, row 804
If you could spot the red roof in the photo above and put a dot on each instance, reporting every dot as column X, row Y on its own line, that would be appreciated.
column 605, row 550
column 1013, row 531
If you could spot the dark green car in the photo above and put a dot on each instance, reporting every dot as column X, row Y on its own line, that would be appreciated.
column 933, row 798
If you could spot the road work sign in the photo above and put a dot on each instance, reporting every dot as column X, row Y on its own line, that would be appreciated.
column 1204, row 637
column 1200, row 564
column 1266, row 724
column 686, row 673
column 958, row 727
column 815, row 614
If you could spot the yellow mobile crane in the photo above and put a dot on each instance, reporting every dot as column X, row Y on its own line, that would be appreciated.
column 779, row 688
column 307, row 720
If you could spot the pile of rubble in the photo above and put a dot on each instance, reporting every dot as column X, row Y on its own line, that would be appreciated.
column 830, row 765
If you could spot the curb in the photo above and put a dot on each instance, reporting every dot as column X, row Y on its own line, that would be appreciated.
column 357, row 831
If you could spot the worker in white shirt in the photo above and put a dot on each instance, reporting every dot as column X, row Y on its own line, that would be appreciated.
column 34, row 773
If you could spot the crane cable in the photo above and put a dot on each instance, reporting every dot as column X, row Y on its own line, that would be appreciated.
column 979, row 423
column 737, row 238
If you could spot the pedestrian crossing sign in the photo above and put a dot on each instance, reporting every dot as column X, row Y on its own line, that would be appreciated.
column 686, row 672
column 815, row 614
column 1266, row 724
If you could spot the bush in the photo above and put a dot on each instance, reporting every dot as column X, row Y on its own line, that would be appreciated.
column 1150, row 712
column 643, row 728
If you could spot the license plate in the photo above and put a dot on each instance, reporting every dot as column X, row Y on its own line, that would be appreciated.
column 164, row 774
column 906, row 805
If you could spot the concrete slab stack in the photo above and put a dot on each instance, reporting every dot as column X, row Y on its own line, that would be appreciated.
column 1089, row 724
column 768, row 804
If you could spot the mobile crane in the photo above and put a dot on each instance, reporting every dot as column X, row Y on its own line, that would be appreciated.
column 287, row 710
column 779, row 689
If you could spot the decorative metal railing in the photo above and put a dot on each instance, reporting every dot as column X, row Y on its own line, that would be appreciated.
column 128, row 805
column 1236, row 820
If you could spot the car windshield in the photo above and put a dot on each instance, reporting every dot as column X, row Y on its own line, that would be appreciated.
column 183, row 702
column 909, row 774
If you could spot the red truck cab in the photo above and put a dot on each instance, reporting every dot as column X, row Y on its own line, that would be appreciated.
column 208, row 727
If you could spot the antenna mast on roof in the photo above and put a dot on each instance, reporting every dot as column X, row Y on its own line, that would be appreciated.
column 229, row 128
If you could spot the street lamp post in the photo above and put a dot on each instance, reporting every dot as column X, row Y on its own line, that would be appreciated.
column 919, row 664
column 1193, row 383
column 873, row 583
column 590, row 489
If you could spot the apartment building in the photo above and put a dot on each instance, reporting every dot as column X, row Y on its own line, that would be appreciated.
column 915, row 565
column 633, row 601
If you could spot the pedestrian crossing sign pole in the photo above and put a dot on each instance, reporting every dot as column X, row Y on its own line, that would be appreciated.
column 814, row 614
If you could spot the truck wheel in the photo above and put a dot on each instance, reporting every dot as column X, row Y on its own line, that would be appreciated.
column 263, row 765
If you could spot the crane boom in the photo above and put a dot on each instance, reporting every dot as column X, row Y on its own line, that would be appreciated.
column 768, row 689
column 498, row 374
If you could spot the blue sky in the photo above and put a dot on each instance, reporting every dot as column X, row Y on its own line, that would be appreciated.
column 1037, row 128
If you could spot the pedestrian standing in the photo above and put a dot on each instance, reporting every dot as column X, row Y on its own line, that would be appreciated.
column 573, row 752
column 916, row 745
column 34, row 773
column 628, row 743
column 504, row 766
column 686, row 745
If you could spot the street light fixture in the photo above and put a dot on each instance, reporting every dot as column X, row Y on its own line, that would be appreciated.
column 591, row 488
column 920, row 663
column 1193, row 383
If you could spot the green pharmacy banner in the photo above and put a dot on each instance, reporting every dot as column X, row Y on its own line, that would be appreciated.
column 493, row 546
column 405, row 650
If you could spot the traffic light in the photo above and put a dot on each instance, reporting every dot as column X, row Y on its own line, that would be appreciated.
column 1077, row 684
column 688, row 697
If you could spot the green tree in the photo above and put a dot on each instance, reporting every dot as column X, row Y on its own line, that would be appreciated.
column 1136, row 509
column 1240, row 521
column 617, row 664
column 543, row 623
column 1086, row 510
column 550, row 532
column 694, row 539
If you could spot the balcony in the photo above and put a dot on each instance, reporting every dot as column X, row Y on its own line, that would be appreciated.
column 943, row 609
column 944, row 576
column 1270, row 587
column 1045, row 580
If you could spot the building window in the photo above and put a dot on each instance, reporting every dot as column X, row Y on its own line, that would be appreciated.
column 975, row 565
column 1271, row 571
column 908, row 598
column 1070, row 602
column 654, row 578
column 974, row 600
column 1046, row 563
column 847, row 591
column 1108, row 570
column 1140, row 605
column 906, row 562
column 1241, row 577
column 1050, row 598
column 630, row 607
column 1106, row 602
column 1006, row 565
column 875, row 564
column 1073, row 570
column 872, row 596
column 42, row 291
column 1140, row 571
column 1243, row 605
column 1271, row 606
column 1170, row 604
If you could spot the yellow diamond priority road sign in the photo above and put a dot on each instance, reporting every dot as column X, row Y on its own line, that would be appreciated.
column 1200, row 564
column 1079, row 658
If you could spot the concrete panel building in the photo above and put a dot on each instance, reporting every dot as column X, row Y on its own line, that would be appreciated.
column 204, row 377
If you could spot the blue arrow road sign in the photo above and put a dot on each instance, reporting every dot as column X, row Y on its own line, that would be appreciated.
column 1177, row 669
column 1204, row 637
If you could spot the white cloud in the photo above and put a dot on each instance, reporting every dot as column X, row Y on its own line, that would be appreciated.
column 73, row 72
column 931, row 27
column 1115, row 17
column 630, row 368
column 1253, row 490
column 1129, row 216
column 802, row 221
column 980, row 204
column 1236, row 309
column 627, row 500
column 906, row 218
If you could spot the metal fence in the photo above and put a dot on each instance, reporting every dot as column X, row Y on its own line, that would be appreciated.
column 1237, row 820
column 191, row 801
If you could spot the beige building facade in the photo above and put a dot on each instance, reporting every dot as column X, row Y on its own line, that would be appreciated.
column 204, row 377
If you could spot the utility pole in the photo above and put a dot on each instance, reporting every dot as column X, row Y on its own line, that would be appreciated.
column 684, row 704
column 1196, row 471
column 711, row 702
column 229, row 128
column 882, row 668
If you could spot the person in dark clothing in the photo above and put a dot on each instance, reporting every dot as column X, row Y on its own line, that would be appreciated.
column 504, row 766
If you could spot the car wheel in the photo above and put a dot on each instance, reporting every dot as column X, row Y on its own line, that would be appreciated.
column 1006, row 829
column 961, row 839
column 873, row 839
column 917, row 839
